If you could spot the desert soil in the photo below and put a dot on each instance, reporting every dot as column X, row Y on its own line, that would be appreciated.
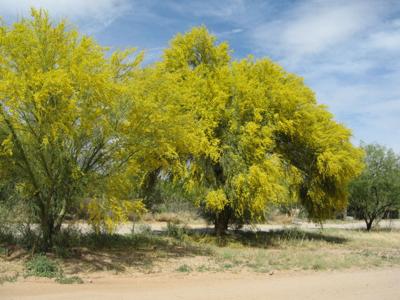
column 367, row 284
column 161, row 226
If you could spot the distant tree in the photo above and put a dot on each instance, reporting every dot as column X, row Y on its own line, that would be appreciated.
column 377, row 190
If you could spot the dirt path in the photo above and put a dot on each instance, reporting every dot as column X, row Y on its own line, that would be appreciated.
column 370, row 284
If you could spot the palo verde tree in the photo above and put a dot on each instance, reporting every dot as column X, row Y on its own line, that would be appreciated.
column 268, row 138
column 377, row 190
column 163, row 129
column 78, row 124
column 64, row 111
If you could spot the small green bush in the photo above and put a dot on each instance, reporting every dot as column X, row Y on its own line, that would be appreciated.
column 176, row 231
column 41, row 266
column 184, row 268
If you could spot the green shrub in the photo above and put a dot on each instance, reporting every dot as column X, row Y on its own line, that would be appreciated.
column 176, row 231
column 41, row 266
column 184, row 268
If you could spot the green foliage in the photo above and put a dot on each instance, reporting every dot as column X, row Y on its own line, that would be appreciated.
column 184, row 269
column 81, row 128
column 41, row 266
column 267, row 139
column 377, row 190
column 176, row 231
column 64, row 118
column 106, row 214
column 169, row 195
column 77, row 123
column 15, row 214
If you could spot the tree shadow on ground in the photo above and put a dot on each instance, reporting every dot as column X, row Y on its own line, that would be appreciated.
column 96, row 252
column 273, row 238
column 91, row 252
column 276, row 237
column 143, row 251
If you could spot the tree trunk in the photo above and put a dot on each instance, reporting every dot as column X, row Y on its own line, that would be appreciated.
column 47, row 234
column 369, row 224
column 221, row 222
column 49, row 229
column 148, row 188
column 50, row 222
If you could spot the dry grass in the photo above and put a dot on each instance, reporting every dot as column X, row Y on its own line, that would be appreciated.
column 328, row 249
column 194, row 251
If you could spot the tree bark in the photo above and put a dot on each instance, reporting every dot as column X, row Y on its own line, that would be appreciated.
column 47, row 227
column 221, row 222
column 369, row 224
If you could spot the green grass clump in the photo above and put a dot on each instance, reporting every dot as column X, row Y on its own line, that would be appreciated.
column 176, row 231
column 42, row 266
column 184, row 269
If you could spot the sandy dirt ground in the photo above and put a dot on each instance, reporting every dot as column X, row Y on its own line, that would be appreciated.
column 368, row 284
column 161, row 226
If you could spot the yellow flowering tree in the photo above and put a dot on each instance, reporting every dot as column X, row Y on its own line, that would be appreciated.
column 64, row 113
column 163, row 130
column 81, row 126
column 267, row 138
column 77, row 124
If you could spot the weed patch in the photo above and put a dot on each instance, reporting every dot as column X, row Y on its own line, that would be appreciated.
column 8, row 278
column 41, row 266
column 184, row 269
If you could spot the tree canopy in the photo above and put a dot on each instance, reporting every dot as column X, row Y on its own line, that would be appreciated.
column 269, row 140
column 79, row 124
column 377, row 190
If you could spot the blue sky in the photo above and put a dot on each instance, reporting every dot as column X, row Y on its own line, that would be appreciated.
column 347, row 51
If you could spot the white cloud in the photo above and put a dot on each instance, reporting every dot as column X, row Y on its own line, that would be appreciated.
column 386, row 40
column 314, row 26
column 380, row 123
column 226, row 34
column 90, row 14
column 217, row 9
column 349, row 53
column 371, row 108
